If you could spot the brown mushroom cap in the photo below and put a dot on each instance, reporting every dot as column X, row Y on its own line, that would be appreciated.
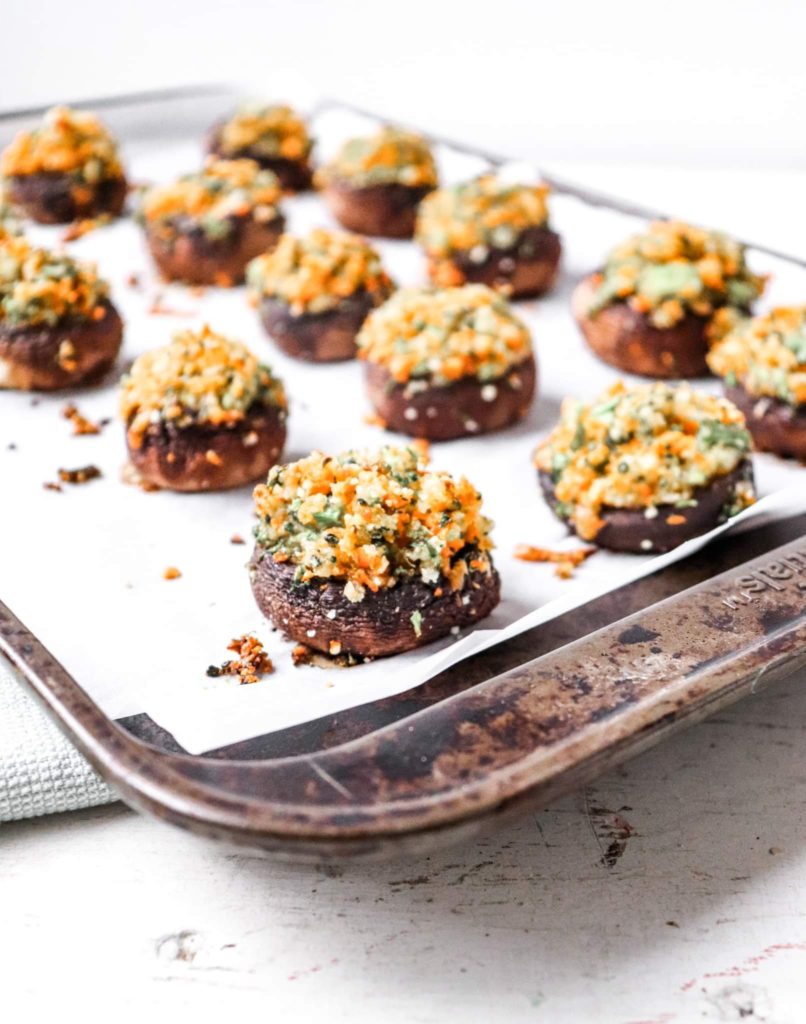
column 318, row 614
column 526, row 269
column 776, row 426
column 44, row 358
column 193, row 257
column 629, row 529
column 385, row 211
column 53, row 198
column 317, row 337
column 205, row 457
column 465, row 408
column 625, row 338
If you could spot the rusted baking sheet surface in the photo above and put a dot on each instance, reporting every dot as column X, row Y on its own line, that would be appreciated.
column 525, row 735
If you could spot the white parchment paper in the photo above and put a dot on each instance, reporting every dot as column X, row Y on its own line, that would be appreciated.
column 83, row 568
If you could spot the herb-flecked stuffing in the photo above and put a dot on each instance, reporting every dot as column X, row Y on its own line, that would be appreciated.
column 641, row 447
column 390, row 157
column 443, row 335
column 372, row 520
column 72, row 142
column 199, row 377
column 673, row 269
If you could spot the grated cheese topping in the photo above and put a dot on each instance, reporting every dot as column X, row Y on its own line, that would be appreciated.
column 274, row 130
column 390, row 157
column 478, row 215
column 673, row 269
column 67, row 142
column 38, row 286
column 199, row 377
column 637, row 448
column 442, row 335
column 766, row 355
column 372, row 519
column 313, row 274
column 212, row 197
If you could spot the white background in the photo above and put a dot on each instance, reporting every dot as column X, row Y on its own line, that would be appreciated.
column 717, row 83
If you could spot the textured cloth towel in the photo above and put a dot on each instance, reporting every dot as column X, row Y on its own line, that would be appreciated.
column 40, row 771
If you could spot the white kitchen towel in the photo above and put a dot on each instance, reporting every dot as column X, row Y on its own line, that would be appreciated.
column 41, row 772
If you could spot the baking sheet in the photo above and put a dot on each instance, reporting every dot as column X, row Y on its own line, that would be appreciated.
column 83, row 568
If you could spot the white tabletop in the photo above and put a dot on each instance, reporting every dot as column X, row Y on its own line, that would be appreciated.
column 672, row 890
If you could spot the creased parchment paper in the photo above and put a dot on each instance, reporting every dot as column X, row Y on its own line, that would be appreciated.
column 84, row 568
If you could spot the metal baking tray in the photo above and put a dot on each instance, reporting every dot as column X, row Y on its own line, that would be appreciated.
column 512, row 727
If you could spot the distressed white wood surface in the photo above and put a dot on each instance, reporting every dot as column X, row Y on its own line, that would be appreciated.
column 673, row 890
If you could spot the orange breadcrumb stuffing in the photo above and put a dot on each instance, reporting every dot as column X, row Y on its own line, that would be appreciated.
column 252, row 661
column 68, row 142
column 171, row 573
column 269, row 131
column 391, row 156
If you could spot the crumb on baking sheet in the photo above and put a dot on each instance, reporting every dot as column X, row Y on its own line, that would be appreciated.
column 81, row 425
column 159, row 308
column 133, row 280
column 49, row 485
column 565, row 561
column 79, row 228
column 80, row 475
column 171, row 573
column 252, row 661
column 302, row 654
column 374, row 420
column 236, row 538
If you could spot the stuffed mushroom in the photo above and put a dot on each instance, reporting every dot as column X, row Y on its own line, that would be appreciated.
column 67, row 169
column 371, row 554
column 58, row 327
column 273, row 135
column 650, row 310
column 202, row 414
column 204, row 228
column 314, row 293
column 643, row 469
column 490, row 232
column 448, row 363
column 762, row 362
column 374, row 184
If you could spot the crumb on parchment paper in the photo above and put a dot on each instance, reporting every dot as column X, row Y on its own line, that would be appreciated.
column 252, row 661
column 81, row 425
column 171, row 573
column 564, row 561
column 80, row 475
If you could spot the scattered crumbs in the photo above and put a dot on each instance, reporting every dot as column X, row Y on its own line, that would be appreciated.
column 416, row 619
column 565, row 561
column 133, row 280
column 49, row 485
column 329, row 684
column 673, row 924
column 81, row 425
column 130, row 476
column 252, row 661
column 79, row 228
column 675, row 519
column 374, row 420
column 81, row 475
column 236, row 538
column 301, row 654
column 334, row 647
column 159, row 308
column 213, row 457
column 171, row 573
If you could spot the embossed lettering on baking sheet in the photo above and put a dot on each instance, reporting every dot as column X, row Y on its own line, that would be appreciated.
column 782, row 574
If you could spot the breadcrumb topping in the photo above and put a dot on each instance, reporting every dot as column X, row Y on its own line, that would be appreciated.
column 38, row 286
column 766, row 355
column 212, row 198
column 479, row 215
column 389, row 157
column 639, row 448
column 673, row 269
column 313, row 274
column 69, row 141
column 372, row 519
column 442, row 335
column 269, row 131
column 199, row 377
column 252, row 661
